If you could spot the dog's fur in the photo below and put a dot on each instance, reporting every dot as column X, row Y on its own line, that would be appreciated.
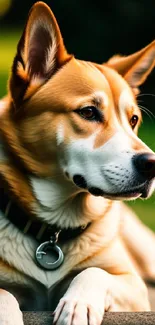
column 47, row 139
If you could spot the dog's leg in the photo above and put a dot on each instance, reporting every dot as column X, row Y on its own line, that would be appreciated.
column 140, row 242
column 10, row 313
column 94, row 291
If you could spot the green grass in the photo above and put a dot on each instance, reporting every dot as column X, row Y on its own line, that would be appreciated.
column 8, row 42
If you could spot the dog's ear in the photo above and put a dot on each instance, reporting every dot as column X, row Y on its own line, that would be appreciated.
column 136, row 67
column 40, row 53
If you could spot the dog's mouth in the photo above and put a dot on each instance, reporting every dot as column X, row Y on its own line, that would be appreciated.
column 138, row 191
column 116, row 196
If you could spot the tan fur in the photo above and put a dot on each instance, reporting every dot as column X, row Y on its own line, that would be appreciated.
column 39, row 124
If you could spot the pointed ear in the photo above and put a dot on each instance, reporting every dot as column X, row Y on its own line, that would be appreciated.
column 40, row 53
column 136, row 67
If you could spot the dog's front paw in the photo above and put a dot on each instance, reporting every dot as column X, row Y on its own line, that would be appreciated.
column 77, row 312
column 85, row 300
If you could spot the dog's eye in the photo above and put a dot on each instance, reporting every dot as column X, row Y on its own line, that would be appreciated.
column 90, row 113
column 133, row 121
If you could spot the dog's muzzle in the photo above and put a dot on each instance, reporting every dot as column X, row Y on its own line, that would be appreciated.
column 144, row 166
column 80, row 181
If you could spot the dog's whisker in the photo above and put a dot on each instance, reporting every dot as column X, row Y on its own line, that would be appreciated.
column 147, row 111
column 140, row 95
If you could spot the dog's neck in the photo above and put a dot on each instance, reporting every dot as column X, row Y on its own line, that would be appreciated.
column 65, row 205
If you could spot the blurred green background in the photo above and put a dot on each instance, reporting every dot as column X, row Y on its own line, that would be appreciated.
column 92, row 31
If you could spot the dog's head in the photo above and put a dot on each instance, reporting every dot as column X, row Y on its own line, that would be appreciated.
column 77, row 118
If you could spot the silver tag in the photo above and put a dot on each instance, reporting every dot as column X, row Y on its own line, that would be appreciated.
column 49, row 255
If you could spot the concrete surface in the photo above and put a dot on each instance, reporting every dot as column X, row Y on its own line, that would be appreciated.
column 45, row 318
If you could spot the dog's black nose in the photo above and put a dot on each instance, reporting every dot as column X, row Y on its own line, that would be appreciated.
column 145, row 164
column 80, row 181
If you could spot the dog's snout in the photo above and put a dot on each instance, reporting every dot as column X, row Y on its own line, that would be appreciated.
column 145, row 164
column 80, row 181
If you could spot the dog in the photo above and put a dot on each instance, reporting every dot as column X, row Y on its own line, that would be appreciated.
column 69, row 156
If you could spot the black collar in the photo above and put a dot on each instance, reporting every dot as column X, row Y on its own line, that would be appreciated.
column 38, row 230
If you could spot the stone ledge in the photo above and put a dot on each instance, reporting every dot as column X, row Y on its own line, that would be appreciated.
column 146, row 318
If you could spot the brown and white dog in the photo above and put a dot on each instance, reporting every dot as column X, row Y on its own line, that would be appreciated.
column 69, row 155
